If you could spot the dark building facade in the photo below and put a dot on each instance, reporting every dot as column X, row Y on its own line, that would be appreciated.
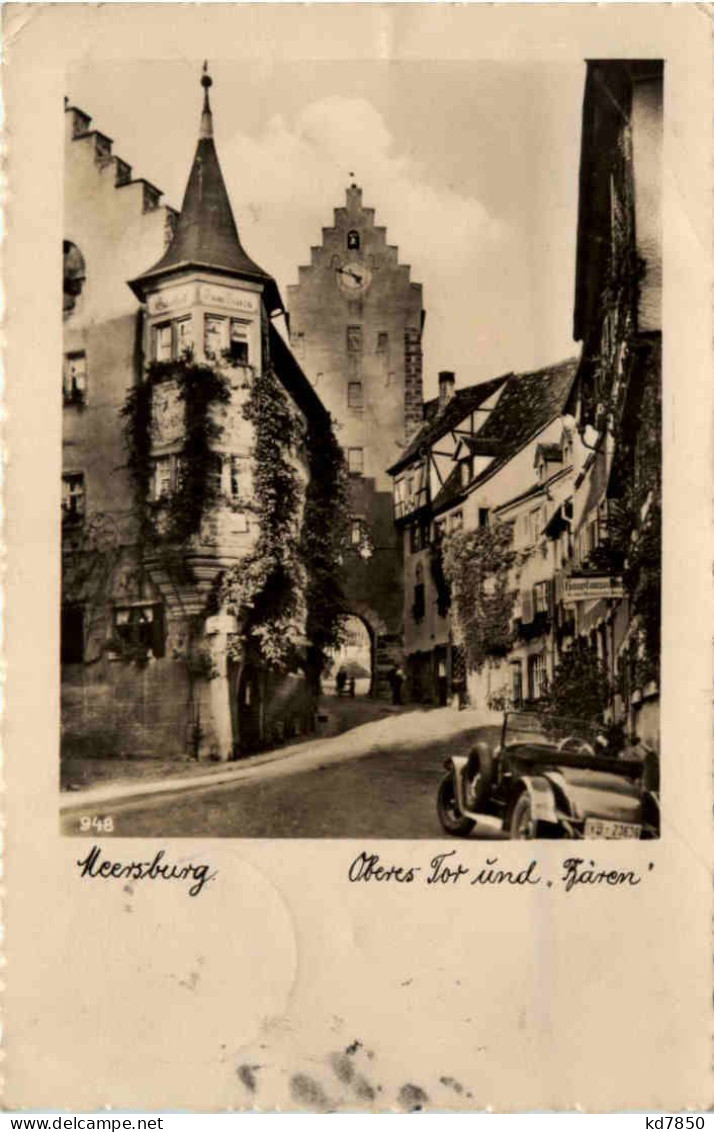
column 616, row 399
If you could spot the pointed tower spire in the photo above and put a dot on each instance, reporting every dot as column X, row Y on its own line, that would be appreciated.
column 206, row 130
column 206, row 235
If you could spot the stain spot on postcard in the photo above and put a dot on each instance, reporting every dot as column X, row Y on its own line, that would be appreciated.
column 412, row 1098
column 306, row 1090
column 342, row 1067
column 364, row 1090
column 247, row 1076
column 452, row 1083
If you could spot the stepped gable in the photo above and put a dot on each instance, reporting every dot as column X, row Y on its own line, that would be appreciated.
column 102, row 145
column 527, row 404
column 437, row 424
column 206, row 235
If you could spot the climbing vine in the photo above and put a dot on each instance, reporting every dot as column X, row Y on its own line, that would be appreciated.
column 286, row 592
column 324, row 539
column 174, row 517
column 636, row 522
column 436, row 567
column 266, row 590
column 477, row 566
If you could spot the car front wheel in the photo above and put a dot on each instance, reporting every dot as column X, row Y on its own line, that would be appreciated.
column 523, row 825
column 450, row 816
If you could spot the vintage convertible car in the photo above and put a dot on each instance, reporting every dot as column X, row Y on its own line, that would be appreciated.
column 551, row 778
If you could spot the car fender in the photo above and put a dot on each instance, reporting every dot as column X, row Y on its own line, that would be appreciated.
column 542, row 797
column 457, row 765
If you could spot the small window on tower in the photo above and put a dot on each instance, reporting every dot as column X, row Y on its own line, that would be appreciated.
column 184, row 337
column 355, row 399
column 353, row 240
column 162, row 342
column 239, row 342
column 215, row 337
column 355, row 461
column 382, row 342
column 354, row 339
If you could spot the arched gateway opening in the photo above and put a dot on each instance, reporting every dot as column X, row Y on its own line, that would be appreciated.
column 352, row 666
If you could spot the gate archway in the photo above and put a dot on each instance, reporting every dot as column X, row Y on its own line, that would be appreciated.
column 354, row 659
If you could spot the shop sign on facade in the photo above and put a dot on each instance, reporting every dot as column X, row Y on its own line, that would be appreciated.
column 592, row 589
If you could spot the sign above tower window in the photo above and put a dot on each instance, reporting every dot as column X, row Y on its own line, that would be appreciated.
column 353, row 240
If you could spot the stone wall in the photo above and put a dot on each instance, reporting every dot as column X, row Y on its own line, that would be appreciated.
column 114, row 709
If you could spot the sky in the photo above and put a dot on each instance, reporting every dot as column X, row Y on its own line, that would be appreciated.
column 472, row 167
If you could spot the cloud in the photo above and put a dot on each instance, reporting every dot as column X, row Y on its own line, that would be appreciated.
column 285, row 183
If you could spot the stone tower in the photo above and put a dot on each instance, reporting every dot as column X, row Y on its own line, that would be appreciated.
column 355, row 325
column 356, row 322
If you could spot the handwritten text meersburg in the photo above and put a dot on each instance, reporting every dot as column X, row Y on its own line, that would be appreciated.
column 156, row 869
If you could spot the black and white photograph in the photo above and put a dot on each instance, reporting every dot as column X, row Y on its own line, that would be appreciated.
column 357, row 685
column 362, row 450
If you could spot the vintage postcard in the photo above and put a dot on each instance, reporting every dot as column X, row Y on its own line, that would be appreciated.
column 358, row 529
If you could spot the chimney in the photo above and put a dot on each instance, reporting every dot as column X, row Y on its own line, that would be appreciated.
column 447, row 382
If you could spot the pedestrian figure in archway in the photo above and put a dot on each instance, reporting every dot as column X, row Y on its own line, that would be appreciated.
column 340, row 681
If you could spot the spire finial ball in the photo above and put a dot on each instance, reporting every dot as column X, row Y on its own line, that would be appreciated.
column 206, row 80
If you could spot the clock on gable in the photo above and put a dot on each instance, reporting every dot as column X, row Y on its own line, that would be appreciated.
column 353, row 277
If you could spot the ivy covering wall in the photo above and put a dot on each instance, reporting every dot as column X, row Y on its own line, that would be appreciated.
column 176, row 517
column 286, row 591
column 266, row 590
column 324, row 539
column 478, row 566
column 637, row 519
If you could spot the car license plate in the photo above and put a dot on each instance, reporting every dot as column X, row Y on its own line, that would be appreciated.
column 611, row 830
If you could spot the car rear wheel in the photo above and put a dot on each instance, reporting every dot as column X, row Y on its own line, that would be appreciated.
column 450, row 816
column 523, row 825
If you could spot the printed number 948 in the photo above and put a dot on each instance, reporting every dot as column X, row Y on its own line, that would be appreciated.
column 98, row 824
